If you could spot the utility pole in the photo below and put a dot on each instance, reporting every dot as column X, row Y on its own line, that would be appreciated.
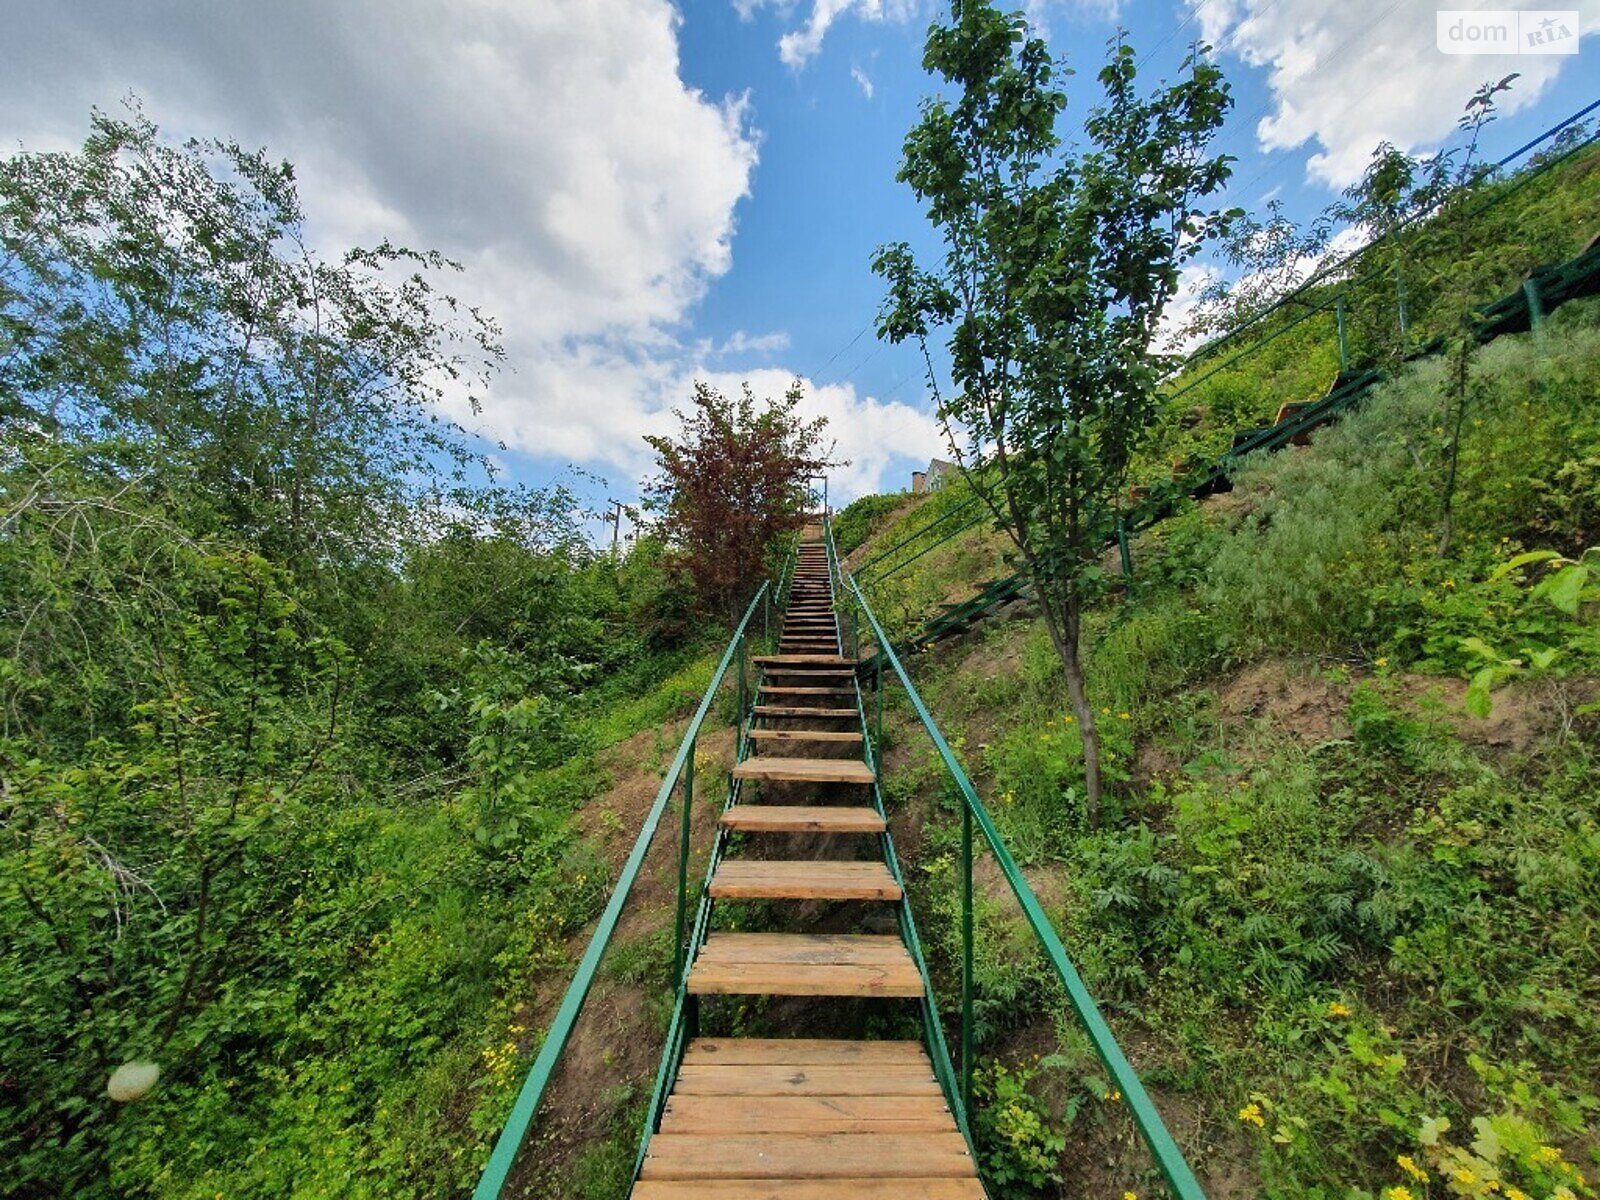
column 616, row 524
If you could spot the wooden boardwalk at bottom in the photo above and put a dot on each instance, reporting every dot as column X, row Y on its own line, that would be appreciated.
column 798, row 1119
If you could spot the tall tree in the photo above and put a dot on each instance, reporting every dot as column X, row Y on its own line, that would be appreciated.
column 161, row 309
column 734, row 483
column 1058, row 265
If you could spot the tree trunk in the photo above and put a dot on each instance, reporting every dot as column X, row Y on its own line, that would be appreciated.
column 1063, row 616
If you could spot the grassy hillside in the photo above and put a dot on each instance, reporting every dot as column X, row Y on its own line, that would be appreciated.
column 1331, row 908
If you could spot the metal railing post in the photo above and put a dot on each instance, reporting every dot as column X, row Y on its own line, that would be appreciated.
column 966, row 956
column 1530, row 289
column 744, row 699
column 683, row 865
column 877, row 687
column 1344, row 336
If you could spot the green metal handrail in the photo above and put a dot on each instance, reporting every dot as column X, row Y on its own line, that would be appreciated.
column 1169, row 1158
column 503, row 1157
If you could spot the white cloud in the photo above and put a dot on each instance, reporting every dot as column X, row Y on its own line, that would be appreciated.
column 754, row 343
column 863, row 81
column 799, row 46
column 882, row 441
column 552, row 148
column 1347, row 74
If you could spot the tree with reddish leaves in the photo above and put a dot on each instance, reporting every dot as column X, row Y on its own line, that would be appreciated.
column 733, row 484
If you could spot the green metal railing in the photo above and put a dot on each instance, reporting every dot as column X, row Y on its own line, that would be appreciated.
column 1168, row 1157
column 679, row 777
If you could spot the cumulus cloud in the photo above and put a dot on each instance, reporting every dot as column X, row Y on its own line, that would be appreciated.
column 754, row 343
column 1347, row 74
column 882, row 440
column 552, row 148
column 800, row 45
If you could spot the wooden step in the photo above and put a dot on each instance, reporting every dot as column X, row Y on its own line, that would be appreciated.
column 776, row 690
column 810, row 672
column 785, row 736
column 803, row 818
column 802, row 660
column 801, row 964
column 739, row 1051
column 808, row 1189
column 811, row 950
column 786, row 711
column 806, row 1114
column 807, row 1156
column 802, row 879
column 805, row 770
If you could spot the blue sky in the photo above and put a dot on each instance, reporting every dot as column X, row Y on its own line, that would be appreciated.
column 645, row 194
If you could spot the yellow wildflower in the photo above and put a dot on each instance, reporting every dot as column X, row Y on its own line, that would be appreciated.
column 1125, row 716
column 1516, row 1193
column 1398, row 1193
column 1464, row 1175
column 1250, row 1114
column 1380, row 662
column 1409, row 1166
column 1545, row 1155
column 1130, row 1196
column 1335, row 1009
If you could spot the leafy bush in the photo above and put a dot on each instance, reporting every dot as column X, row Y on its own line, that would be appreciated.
column 862, row 517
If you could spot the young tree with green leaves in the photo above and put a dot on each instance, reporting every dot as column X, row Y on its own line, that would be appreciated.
column 1059, row 263
column 734, row 483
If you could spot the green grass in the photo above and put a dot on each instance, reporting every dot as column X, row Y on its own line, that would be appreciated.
column 1322, row 949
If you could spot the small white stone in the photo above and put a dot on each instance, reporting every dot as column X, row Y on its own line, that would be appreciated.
column 132, row 1080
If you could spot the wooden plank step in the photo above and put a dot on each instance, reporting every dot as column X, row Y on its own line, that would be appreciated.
column 802, row 879
column 786, row 711
column 788, row 1079
column 802, row 818
column 809, row 1189
column 810, row 672
column 735, row 1051
column 778, row 979
column 802, row 660
column 808, row 1156
column 809, row 949
column 777, row 690
column 806, row 1114
column 786, row 736
column 805, row 770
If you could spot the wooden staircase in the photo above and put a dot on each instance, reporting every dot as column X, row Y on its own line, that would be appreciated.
column 806, row 1118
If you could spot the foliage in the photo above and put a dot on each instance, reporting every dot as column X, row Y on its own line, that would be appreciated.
column 1022, row 1141
column 1339, row 915
column 861, row 518
column 291, row 735
column 732, row 485
column 162, row 302
column 1057, row 270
